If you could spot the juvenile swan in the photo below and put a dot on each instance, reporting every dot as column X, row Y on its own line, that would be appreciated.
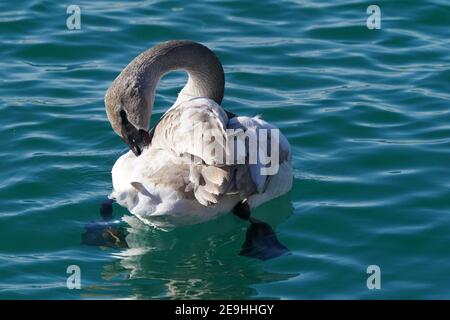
column 167, row 179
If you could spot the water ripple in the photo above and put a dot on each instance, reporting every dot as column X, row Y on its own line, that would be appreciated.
column 366, row 112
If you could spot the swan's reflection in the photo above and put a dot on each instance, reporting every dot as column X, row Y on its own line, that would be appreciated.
column 194, row 262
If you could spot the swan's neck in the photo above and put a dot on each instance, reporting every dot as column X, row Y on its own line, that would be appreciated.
column 205, row 75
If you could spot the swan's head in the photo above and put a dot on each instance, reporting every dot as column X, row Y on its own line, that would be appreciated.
column 129, row 100
column 129, row 114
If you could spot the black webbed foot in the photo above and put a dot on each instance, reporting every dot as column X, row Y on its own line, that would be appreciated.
column 260, row 239
column 242, row 210
column 106, row 233
column 106, row 209
column 261, row 242
column 103, row 235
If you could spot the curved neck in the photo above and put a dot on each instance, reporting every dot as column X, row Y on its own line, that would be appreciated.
column 206, row 76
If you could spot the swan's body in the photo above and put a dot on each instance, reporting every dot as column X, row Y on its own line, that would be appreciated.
column 159, row 183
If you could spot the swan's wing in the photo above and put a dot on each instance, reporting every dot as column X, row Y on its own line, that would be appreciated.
column 195, row 131
column 255, row 175
column 194, row 128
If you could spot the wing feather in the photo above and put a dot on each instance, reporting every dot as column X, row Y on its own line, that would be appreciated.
column 195, row 130
column 195, row 127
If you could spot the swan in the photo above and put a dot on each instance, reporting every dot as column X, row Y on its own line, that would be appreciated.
column 167, row 179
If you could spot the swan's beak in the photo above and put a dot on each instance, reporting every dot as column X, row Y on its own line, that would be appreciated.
column 136, row 139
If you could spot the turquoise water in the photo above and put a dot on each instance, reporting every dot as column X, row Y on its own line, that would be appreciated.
column 366, row 112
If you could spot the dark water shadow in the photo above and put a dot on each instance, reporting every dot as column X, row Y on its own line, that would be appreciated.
column 195, row 262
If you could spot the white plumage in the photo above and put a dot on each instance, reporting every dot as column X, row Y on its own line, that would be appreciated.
column 156, row 185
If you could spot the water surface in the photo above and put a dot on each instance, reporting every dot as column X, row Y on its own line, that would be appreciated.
column 366, row 112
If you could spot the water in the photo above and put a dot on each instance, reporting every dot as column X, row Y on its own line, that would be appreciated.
column 366, row 112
